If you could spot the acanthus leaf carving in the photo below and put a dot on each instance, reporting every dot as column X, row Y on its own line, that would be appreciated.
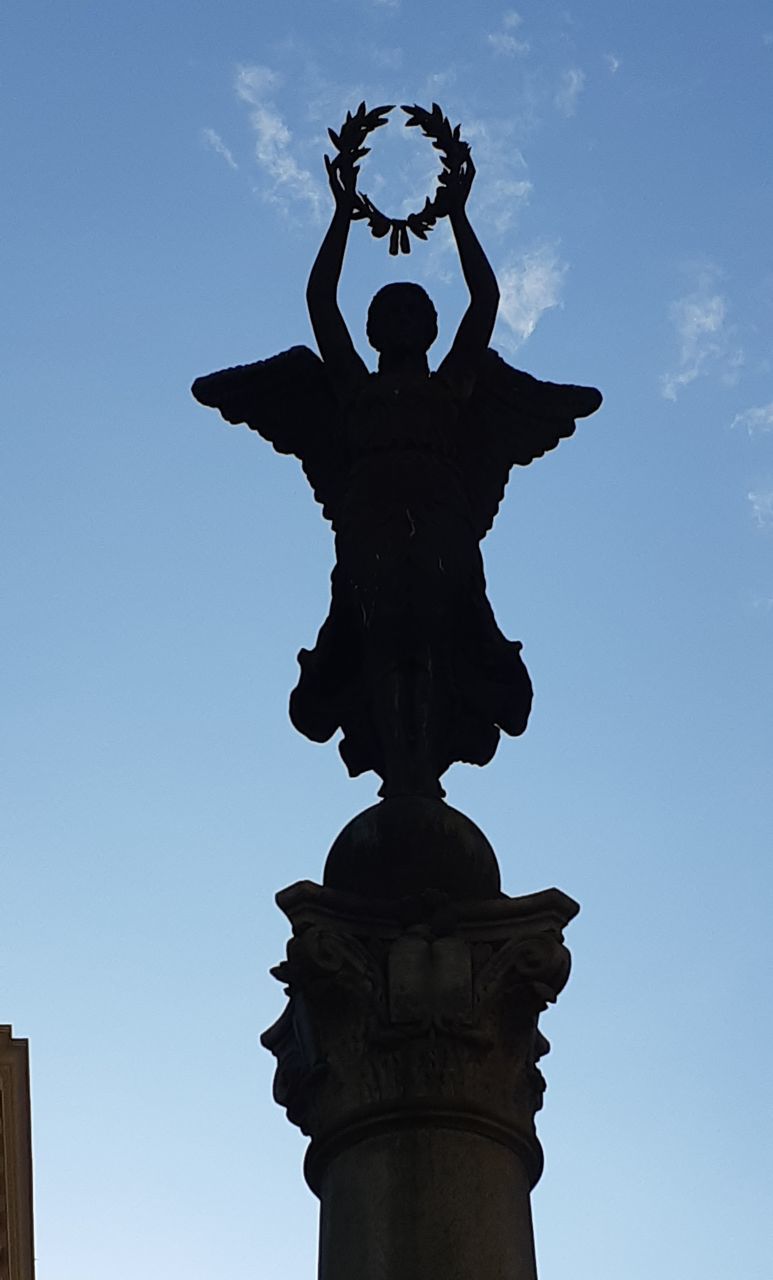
column 385, row 1015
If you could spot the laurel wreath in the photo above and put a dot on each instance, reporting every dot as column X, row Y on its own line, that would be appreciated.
column 349, row 142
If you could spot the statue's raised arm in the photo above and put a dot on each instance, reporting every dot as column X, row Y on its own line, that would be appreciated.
column 477, row 324
column 333, row 338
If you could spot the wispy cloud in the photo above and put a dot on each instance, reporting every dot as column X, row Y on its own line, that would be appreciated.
column 505, row 45
column 613, row 63
column 756, row 420
column 503, row 42
column 211, row 138
column 706, row 339
column 438, row 81
column 499, row 200
column 502, row 186
column 402, row 170
column 288, row 181
column 530, row 286
column 698, row 320
column 569, row 90
column 762, row 508
column 391, row 59
column 254, row 84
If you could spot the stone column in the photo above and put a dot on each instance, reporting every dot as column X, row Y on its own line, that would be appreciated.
column 408, row 1054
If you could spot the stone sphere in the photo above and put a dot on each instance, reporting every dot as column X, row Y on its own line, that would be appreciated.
column 413, row 845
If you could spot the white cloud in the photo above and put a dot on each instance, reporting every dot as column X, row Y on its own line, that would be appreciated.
column 438, row 81
column 499, row 200
column 403, row 169
column 501, row 187
column 733, row 362
column 612, row 62
column 529, row 287
column 699, row 319
column 212, row 139
column 392, row 59
column 762, row 508
column 569, row 90
column 505, row 45
column 755, row 420
column 255, row 84
column 273, row 140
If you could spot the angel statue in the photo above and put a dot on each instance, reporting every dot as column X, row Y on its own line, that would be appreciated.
column 410, row 465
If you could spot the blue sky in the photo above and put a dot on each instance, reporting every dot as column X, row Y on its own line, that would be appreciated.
column 165, row 197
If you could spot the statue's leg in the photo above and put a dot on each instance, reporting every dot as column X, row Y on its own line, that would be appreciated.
column 390, row 713
column 424, row 706
column 402, row 701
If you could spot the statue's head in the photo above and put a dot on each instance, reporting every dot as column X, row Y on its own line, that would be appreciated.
column 402, row 317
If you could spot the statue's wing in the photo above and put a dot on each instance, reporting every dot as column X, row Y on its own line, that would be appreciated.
column 511, row 419
column 291, row 402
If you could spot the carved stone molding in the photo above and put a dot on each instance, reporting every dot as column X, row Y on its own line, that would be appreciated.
column 416, row 1014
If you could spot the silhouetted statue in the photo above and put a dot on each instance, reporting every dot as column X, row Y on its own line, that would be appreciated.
column 410, row 467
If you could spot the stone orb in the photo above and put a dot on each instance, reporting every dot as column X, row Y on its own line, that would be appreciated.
column 407, row 846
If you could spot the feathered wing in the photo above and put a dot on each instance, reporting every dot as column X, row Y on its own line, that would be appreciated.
column 291, row 402
column 512, row 418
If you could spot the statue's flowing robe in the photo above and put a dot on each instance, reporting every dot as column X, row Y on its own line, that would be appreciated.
column 408, row 589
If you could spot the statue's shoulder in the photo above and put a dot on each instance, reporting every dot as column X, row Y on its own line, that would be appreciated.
column 451, row 386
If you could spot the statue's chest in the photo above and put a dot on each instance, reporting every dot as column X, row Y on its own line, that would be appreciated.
column 391, row 415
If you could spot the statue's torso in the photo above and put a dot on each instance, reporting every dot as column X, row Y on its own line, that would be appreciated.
column 404, row 441
column 389, row 412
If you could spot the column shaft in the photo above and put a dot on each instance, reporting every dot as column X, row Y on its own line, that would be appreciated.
column 426, row 1204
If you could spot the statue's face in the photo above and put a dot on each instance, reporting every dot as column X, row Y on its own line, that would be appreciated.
column 402, row 318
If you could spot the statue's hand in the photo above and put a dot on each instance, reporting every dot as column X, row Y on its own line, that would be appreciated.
column 342, row 177
column 458, row 186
